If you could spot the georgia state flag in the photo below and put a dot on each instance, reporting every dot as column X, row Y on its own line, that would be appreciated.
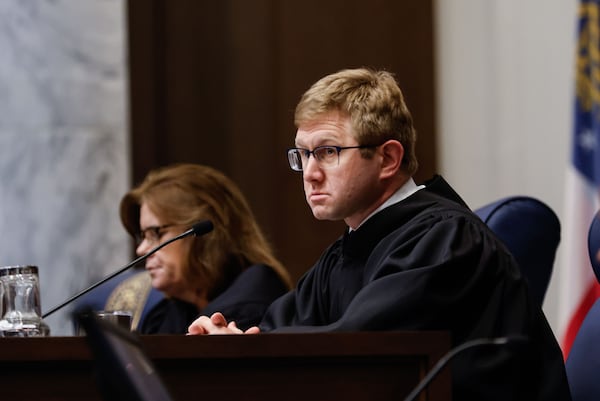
column 578, row 287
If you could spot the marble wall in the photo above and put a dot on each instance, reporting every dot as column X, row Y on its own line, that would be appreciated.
column 63, row 143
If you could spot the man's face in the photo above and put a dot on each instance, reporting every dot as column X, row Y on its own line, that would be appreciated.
column 347, row 190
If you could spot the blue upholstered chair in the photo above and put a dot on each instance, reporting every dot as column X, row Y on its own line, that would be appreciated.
column 583, row 362
column 531, row 231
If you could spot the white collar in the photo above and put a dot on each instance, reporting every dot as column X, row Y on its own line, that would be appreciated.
column 402, row 193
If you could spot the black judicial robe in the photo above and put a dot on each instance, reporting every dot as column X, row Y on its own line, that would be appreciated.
column 245, row 301
column 429, row 263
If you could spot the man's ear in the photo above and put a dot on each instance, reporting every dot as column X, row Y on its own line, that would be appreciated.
column 393, row 153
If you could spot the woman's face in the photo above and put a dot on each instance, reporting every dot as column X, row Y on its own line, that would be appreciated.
column 166, row 265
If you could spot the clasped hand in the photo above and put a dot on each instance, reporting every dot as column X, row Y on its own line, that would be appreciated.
column 217, row 324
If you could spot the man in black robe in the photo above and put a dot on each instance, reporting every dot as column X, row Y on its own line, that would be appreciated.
column 413, row 257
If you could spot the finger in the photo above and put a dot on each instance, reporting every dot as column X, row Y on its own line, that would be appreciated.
column 233, row 329
column 196, row 329
column 201, row 325
column 252, row 330
column 218, row 319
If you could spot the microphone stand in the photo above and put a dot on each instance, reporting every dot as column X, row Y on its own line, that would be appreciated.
column 197, row 229
column 517, row 340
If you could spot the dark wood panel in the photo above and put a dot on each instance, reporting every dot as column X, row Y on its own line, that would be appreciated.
column 327, row 366
column 317, row 38
column 217, row 82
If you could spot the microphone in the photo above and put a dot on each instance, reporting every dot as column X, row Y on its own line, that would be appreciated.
column 515, row 341
column 198, row 229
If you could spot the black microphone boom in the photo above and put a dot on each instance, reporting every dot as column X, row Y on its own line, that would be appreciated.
column 514, row 341
column 198, row 229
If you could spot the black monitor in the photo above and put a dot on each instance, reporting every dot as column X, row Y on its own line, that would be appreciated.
column 124, row 371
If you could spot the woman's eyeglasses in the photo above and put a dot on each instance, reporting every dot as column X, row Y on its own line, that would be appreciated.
column 152, row 234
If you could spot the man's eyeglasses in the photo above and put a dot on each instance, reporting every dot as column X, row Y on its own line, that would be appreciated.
column 326, row 156
column 152, row 234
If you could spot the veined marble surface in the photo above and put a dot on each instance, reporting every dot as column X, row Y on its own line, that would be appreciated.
column 63, row 143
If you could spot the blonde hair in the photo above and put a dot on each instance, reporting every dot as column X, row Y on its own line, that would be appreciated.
column 184, row 194
column 373, row 101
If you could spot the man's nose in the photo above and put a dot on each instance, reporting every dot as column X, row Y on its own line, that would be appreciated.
column 311, row 168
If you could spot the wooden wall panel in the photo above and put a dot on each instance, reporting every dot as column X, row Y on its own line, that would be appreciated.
column 216, row 82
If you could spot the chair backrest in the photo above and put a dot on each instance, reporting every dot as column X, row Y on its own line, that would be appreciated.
column 583, row 362
column 130, row 290
column 531, row 231
column 594, row 244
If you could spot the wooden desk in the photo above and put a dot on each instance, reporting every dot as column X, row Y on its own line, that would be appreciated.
column 330, row 366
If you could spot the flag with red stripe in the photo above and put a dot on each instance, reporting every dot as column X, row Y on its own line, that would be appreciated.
column 578, row 288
